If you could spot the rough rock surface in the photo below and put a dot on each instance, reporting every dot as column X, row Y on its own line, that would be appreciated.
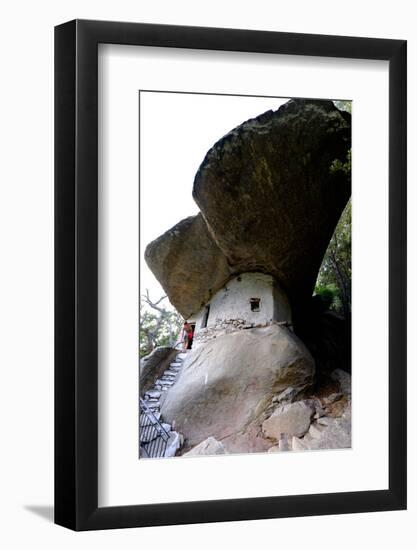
column 188, row 264
column 270, row 200
column 209, row 446
column 226, row 386
column 269, row 195
column 331, row 428
column 287, row 396
column 291, row 419
column 335, row 434
column 344, row 380
column 173, row 445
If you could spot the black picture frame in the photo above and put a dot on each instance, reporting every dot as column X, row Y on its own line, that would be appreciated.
column 76, row 272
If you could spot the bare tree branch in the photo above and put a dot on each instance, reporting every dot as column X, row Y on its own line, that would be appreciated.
column 154, row 305
column 158, row 324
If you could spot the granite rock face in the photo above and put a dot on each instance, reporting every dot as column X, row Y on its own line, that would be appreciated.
column 330, row 427
column 188, row 264
column 271, row 195
column 334, row 434
column 226, row 386
column 291, row 419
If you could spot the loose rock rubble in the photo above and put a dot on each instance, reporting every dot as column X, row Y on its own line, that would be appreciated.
column 313, row 423
column 291, row 419
column 209, row 446
column 227, row 326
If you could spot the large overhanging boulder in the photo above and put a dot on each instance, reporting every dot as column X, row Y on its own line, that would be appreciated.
column 188, row 264
column 271, row 191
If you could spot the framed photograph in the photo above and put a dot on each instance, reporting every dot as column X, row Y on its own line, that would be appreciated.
column 230, row 253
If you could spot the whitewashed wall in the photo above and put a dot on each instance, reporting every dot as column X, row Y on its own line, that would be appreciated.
column 233, row 302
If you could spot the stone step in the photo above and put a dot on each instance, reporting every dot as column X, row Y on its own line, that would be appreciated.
column 181, row 356
column 165, row 382
column 153, row 393
column 170, row 372
column 152, row 404
column 177, row 364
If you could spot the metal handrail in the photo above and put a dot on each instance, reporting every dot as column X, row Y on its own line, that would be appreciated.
column 153, row 437
column 153, row 444
column 177, row 344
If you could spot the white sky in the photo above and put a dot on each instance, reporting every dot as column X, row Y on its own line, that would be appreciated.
column 176, row 131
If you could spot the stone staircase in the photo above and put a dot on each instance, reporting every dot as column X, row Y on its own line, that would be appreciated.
column 156, row 438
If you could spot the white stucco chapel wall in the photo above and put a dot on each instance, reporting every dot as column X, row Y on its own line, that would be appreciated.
column 233, row 302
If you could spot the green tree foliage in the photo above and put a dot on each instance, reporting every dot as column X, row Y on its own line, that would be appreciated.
column 159, row 325
column 333, row 284
column 344, row 105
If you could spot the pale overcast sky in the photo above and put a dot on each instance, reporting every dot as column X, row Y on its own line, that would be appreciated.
column 176, row 131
